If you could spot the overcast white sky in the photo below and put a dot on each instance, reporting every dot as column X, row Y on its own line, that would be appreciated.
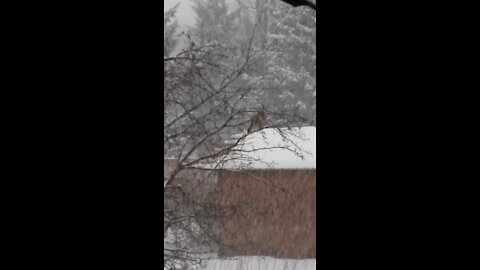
column 185, row 16
column 184, row 13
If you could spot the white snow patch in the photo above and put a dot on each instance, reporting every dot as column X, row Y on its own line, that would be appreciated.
column 267, row 149
column 260, row 263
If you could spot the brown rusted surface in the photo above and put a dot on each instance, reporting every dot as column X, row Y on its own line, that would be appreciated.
column 270, row 213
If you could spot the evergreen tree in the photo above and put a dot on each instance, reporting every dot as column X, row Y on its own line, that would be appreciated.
column 291, row 45
column 217, row 23
column 283, row 73
column 170, row 26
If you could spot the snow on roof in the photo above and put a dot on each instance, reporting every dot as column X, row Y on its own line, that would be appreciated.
column 274, row 148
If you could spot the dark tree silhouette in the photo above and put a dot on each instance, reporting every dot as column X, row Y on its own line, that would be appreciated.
column 297, row 3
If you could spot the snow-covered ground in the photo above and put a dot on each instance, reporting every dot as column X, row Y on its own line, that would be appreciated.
column 268, row 149
column 259, row 263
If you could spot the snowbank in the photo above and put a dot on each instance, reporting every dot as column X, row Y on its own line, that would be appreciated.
column 260, row 263
column 276, row 149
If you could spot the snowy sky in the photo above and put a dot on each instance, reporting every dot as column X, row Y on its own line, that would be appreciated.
column 184, row 13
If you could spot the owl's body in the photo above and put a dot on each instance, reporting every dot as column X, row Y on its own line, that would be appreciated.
column 258, row 122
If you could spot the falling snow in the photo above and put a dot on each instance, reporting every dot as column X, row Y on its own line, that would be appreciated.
column 269, row 148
